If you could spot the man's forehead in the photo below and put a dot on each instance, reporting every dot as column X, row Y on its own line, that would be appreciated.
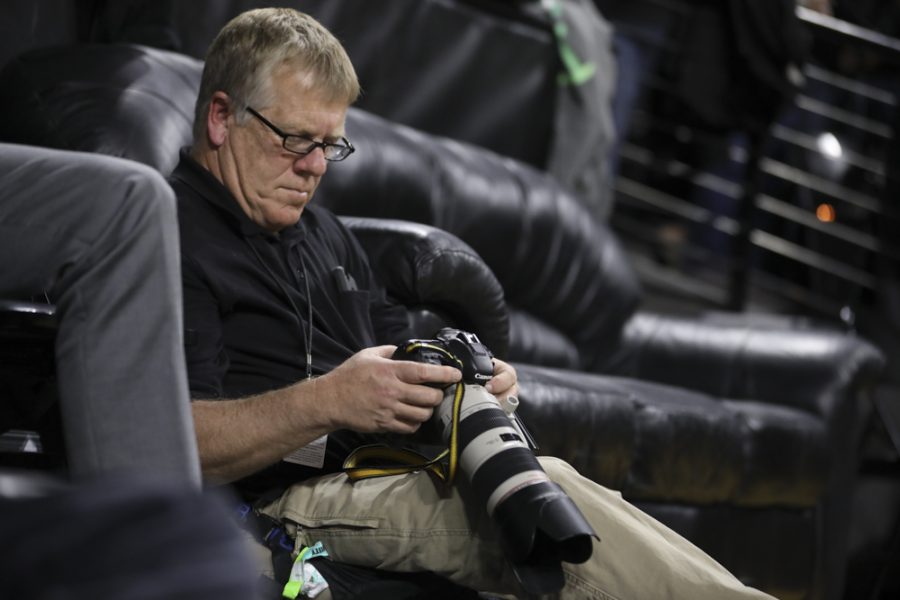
column 292, row 79
column 308, row 118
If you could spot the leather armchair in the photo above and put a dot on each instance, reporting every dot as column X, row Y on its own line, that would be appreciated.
column 740, row 432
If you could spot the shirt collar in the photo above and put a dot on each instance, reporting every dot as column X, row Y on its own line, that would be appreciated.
column 214, row 191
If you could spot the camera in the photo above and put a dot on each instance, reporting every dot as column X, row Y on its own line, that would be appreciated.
column 539, row 524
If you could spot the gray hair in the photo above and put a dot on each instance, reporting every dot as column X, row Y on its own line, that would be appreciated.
column 246, row 52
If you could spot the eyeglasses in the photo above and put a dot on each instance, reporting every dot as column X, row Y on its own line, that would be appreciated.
column 302, row 145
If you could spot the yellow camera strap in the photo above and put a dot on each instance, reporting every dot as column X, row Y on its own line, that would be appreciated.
column 381, row 461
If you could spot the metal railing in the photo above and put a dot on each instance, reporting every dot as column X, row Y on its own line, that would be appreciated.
column 796, row 218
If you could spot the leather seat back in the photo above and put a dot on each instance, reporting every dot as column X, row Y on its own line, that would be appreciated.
column 567, row 280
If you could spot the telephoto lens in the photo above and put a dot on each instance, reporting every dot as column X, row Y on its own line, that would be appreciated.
column 539, row 524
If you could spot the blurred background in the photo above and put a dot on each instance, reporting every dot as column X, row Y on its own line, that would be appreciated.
column 744, row 151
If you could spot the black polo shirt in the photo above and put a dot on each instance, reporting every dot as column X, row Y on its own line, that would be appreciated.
column 245, row 321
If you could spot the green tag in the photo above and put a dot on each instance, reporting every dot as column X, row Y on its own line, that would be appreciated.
column 304, row 577
column 577, row 72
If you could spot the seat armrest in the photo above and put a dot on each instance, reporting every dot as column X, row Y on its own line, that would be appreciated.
column 434, row 272
column 778, row 360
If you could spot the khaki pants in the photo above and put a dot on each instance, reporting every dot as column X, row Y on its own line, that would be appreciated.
column 409, row 523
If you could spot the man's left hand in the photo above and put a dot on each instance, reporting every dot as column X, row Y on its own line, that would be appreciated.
column 504, row 382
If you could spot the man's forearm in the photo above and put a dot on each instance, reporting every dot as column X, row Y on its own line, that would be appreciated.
column 367, row 393
column 238, row 437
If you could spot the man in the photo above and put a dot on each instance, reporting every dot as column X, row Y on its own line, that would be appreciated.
column 276, row 291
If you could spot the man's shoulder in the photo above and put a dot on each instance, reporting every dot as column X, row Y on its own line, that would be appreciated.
column 184, row 194
column 194, row 211
column 204, row 232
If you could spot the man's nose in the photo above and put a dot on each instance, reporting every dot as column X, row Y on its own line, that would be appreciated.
column 314, row 162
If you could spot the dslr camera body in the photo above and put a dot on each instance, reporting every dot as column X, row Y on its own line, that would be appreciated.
column 539, row 524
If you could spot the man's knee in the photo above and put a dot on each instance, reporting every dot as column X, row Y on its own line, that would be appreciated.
column 556, row 467
column 574, row 483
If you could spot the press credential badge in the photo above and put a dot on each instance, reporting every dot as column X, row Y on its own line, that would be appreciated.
column 310, row 455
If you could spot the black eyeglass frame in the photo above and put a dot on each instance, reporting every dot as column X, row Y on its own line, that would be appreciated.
column 313, row 144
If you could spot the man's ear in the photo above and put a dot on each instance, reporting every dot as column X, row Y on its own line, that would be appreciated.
column 217, row 123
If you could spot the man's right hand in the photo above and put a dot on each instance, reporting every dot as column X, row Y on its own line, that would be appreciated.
column 372, row 393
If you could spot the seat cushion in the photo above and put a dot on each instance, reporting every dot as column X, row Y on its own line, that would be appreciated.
column 536, row 342
column 663, row 444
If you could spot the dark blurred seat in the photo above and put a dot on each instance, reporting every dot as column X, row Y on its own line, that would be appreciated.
column 740, row 432
column 128, row 536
